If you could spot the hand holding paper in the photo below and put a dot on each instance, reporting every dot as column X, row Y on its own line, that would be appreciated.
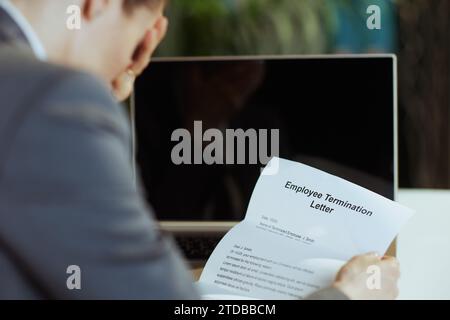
column 301, row 227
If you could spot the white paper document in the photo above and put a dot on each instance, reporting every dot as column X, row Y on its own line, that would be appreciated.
column 301, row 226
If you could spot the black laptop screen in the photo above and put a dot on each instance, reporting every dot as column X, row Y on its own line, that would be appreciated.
column 335, row 114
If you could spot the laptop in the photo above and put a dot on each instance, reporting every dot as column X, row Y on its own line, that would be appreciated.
column 337, row 113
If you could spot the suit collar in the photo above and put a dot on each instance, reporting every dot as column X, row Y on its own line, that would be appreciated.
column 16, row 31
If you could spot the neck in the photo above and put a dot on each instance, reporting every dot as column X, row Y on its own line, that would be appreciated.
column 51, row 32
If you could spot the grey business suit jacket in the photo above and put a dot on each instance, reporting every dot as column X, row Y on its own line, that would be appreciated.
column 67, row 194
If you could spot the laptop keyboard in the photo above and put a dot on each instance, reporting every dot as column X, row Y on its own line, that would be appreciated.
column 197, row 247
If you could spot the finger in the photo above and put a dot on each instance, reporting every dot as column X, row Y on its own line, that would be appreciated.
column 371, row 256
column 392, row 265
column 159, row 31
column 148, row 46
column 162, row 27
column 391, row 260
column 142, row 58
column 123, row 85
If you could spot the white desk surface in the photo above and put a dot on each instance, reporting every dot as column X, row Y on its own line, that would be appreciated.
column 423, row 246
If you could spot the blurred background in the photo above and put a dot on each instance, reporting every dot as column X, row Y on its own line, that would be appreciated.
column 418, row 31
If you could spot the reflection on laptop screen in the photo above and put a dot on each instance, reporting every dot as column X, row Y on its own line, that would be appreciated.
column 333, row 113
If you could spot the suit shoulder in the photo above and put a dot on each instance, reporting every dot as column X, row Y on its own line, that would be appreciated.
column 81, row 98
column 59, row 91
column 25, row 73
